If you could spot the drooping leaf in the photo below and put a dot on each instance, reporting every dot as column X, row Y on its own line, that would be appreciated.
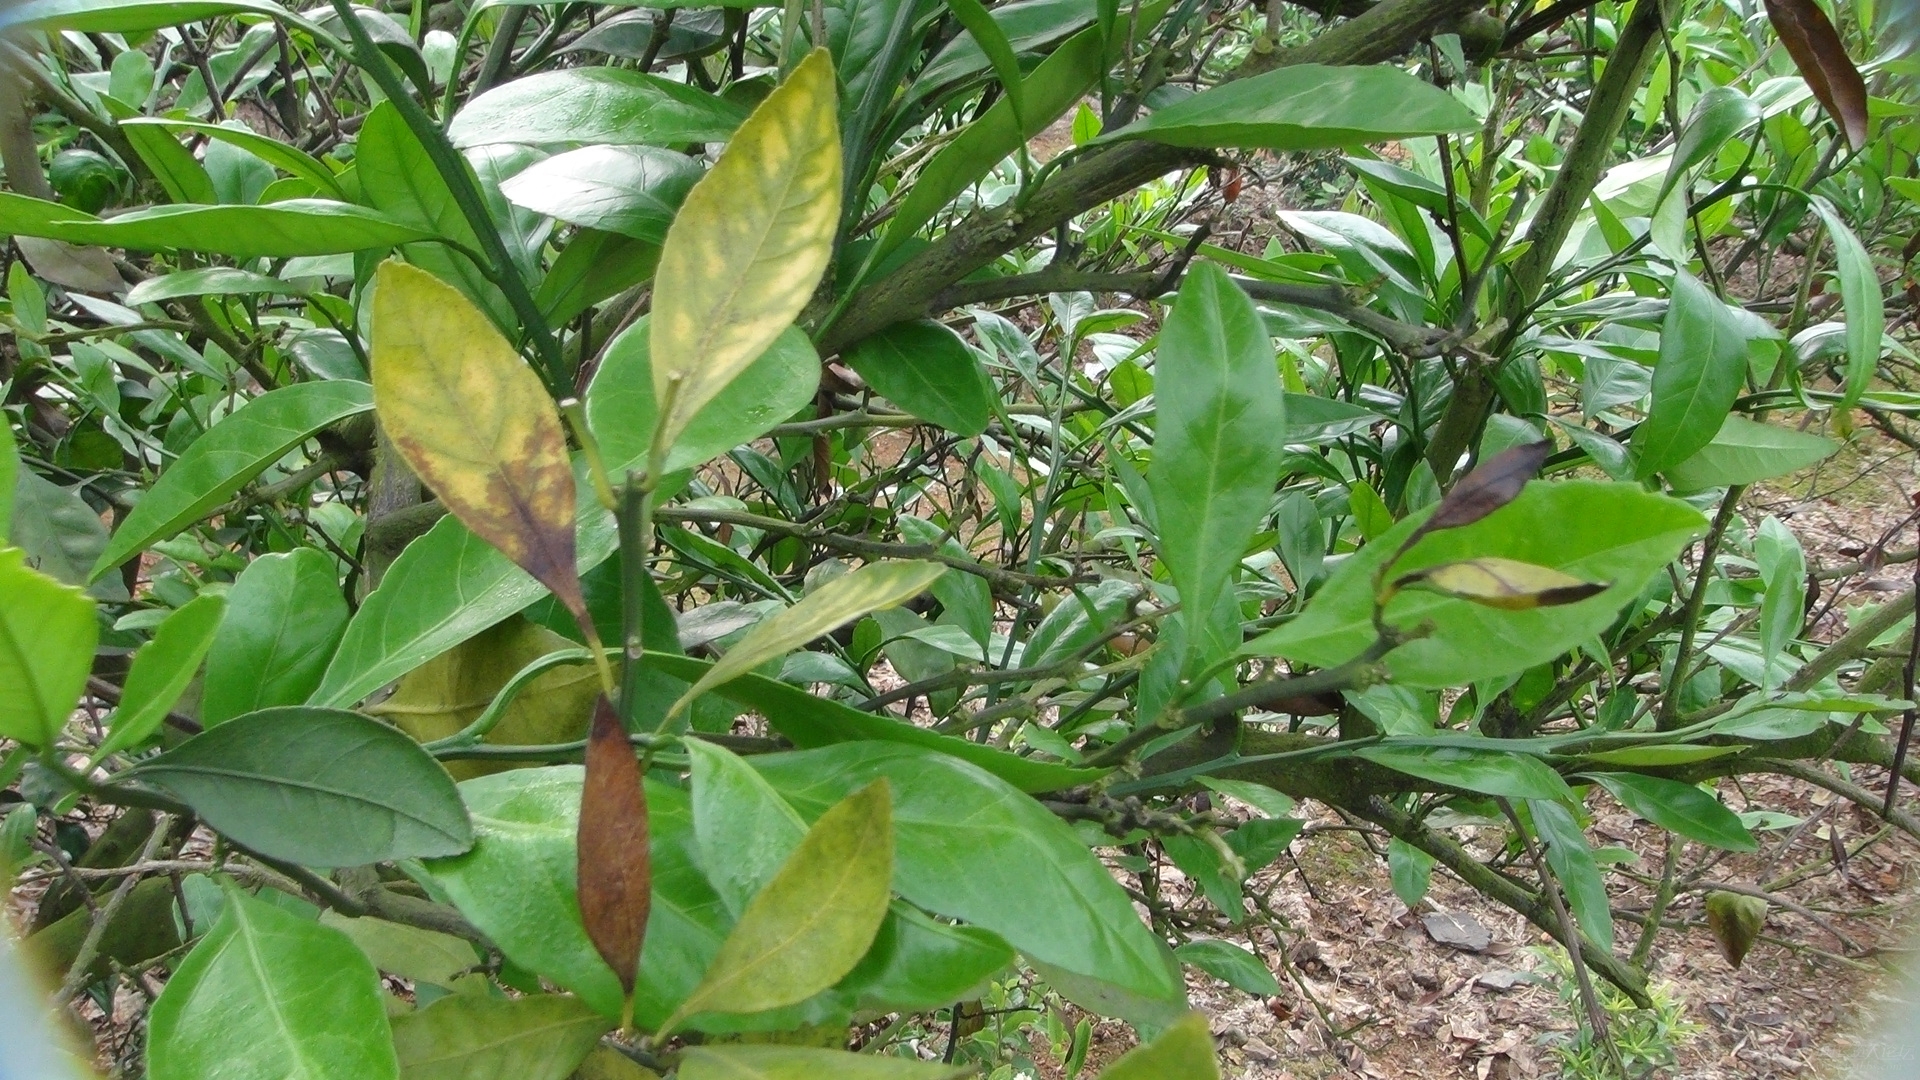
column 814, row 921
column 1735, row 921
column 926, row 369
column 1703, row 363
column 615, row 876
column 268, row 995
column 1411, row 871
column 594, row 105
column 1182, row 1052
column 1682, row 808
column 285, row 615
column 1591, row 531
column 748, row 246
column 1822, row 58
column 1859, row 295
column 622, row 412
column 47, row 634
column 161, row 671
column 1503, row 583
column 1571, row 859
column 743, row 1061
column 630, row 190
column 1491, row 485
column 1308, row 107
column 234, row 451
column 476, row 424
column 871, row 588
column 317, row 787
column 477, row 1037
column 1783, row 573
column 274, row 231
column 1744, row 451
column 1231, row 964
column 1489, row 772
column 1219, row 409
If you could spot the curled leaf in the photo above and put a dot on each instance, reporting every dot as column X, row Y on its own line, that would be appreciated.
column 615, row 869
column 1494, row 484
column 476, row 424
column 1822, row 58
column 1735, row 921
column 1508, row 584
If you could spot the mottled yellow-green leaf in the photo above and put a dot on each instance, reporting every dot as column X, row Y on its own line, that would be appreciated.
column 1735, row 921
column 1182, row 1052
column 47, row 634
column 748, row 246
column 752, row 1062
column 815, row 919
column 475, row 422
column 840, row 601
column 1508, row 584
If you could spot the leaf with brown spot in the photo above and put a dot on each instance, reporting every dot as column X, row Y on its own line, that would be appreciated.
column 615, row 865
column 476, row 424
column 1822, row 58
column 1494, row 484
column 1508, row 584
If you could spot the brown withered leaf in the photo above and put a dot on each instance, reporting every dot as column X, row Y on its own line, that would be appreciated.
column 1495, row 483
column 476, row 424
column 1822, row 58
column 615, row 864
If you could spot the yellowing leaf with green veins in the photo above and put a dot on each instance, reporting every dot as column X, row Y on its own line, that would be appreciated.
column 1507, row 584
column 840, row 601
column 47, row 634
column 815, row 919
column 747, row 1061
column 1182, row 1052
column 475, row 423
column 748, row 246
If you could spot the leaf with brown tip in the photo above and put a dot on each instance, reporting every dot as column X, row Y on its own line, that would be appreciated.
column 1508, row 584
column 615, row 867
column 1822, row 58
column 1735, row 921
column 476, row 424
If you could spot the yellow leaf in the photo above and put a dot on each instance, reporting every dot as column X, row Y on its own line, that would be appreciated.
column 475, row 423
column 748, row 246
column 1503, row 583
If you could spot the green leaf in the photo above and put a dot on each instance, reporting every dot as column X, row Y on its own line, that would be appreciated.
column 127, row 16
column 1720, row 116
column 47, row 634
column 233, row 452
column 622, row 413
column 746, row 830
column 871, row 588
column 285, row 615
column 1202, row 864
column 397, row 176
column 290, row 159
column 918, row 962
column 1307, row 107
column 630, row 190
column 180, row 174
column 268, row 995
column 208, row 281
column 473, row 1037
column 161, row 671
column 1783, row 572
column 1183, row 1052
column 1703, row 364
column 1678, row 807
column 317, row 787
column 1262, row 840
column 594, row 105
column 61, row 534
column 813, row 921
column 1860, row 296
column 1489, row 772
column 476, row 424
column 926, row 369
column 1028, row 25
column 969, row 846
column 1593, row 531
column 1744, row 451
column 758, row 1062
column 593, row 266
column 1259, row 796
column 9, row 471
column 1571, row 859
column 748, row 246
column 407, row 952
column 993, row 43
column 1231, row 964
column 1411, row 870
column 809, row 722
column 1218, row 410
column 275, row 231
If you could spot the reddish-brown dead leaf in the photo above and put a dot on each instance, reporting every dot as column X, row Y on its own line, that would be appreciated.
column 1822, row 58
column 1495, row 483
column 615, row 864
